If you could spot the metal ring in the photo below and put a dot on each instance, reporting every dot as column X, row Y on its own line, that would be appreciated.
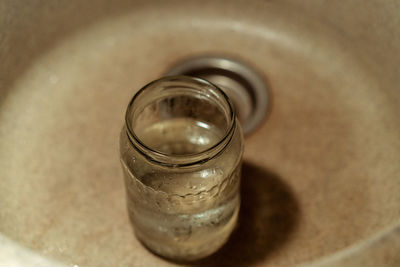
column 245, row 87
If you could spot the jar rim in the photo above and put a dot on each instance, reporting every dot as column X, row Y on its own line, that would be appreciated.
column 184, row 160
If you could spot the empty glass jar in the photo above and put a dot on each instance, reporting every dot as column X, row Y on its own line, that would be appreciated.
column 181, row 150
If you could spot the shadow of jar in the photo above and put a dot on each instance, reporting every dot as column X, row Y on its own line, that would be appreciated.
column 268, row 216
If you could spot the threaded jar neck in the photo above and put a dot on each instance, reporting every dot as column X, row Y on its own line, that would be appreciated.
column 180, row 121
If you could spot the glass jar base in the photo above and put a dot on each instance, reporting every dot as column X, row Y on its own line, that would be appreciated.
column 191, row 248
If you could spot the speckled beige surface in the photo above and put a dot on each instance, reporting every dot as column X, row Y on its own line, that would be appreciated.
column 320, row 180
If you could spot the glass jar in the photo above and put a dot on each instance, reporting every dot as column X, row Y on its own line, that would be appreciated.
column 181, row 150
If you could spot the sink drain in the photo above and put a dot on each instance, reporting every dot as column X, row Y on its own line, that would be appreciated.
column 242, row 84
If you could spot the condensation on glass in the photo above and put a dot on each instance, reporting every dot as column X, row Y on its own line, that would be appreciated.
column 181, row 150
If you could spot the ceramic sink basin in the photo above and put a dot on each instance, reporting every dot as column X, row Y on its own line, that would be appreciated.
column 321, row 183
